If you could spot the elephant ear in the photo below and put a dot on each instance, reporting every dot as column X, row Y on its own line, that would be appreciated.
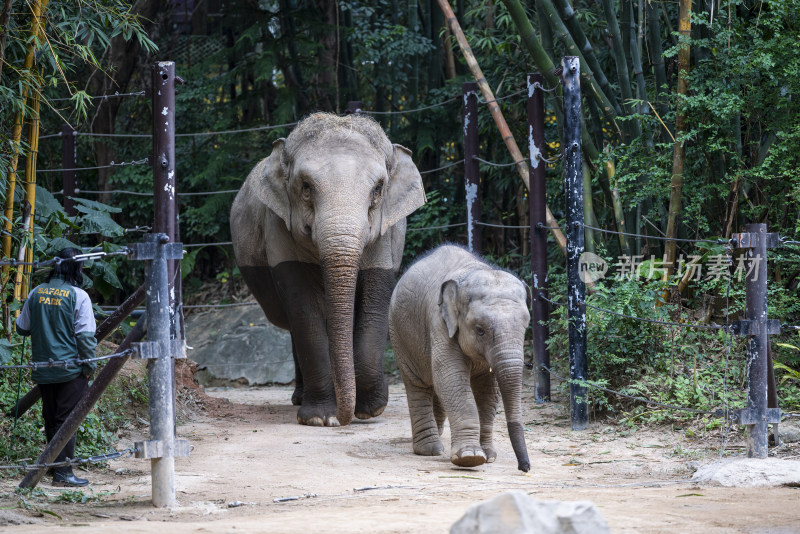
column 270, row 182
column 405, row 193
column 448, row 306
column 528, row 295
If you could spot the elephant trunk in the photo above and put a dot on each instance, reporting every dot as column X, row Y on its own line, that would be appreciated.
column 340, row 264
column 509, row 380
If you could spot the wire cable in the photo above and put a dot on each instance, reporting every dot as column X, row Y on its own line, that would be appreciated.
column 404, row 111
column 143, row 161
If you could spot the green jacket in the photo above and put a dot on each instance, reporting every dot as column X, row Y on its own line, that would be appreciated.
column 59, row 318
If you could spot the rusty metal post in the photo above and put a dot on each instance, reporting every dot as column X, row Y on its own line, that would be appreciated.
column 757, row 414
column 576, row 288
column 472, row 176
column 537, row 208
column 68, row 162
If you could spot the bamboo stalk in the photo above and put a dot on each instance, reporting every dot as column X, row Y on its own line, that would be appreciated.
column 497, row 114
column 562, row 34
column 678, row 151
column 37, row 28
column 619, row 215
column 623, row 75
column 21, row 283
column 567, row 15
column 636, row 63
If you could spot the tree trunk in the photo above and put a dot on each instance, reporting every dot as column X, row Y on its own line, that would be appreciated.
column 328, row 77
column 678, row 151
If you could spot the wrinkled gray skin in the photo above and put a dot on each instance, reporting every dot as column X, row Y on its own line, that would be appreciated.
column 318, row 231
column 457, row 326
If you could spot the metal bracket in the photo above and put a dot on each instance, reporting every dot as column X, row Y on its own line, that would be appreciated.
column 748, row 416
column 748, row 327
column 147, row 251
column 155, row 449
column 749, row 240
column 151, row 350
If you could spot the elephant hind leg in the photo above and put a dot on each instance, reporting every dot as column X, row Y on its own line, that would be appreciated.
column 297, row 394
column 439, row 413
column 424, row 429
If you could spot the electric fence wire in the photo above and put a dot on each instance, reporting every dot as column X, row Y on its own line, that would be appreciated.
column 715, row 241
column 655, row 321
column 716, row 413
column 192, row 134
column 142, row 161
column 72, row 462
column 66, row 364
column 404, row 111
column 500, row 99
column 459, row 162
column 492, row 164
column 116, row 94
column 57, row 261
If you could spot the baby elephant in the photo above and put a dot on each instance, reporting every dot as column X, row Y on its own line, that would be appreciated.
column 457, row 326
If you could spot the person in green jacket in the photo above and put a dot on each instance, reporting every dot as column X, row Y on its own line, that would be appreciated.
column 59, row 319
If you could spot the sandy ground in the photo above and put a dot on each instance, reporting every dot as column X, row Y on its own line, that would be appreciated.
column 254, row 469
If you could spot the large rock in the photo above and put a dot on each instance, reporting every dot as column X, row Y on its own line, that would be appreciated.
column 749, row 473
column 239, row 345
column 515, row 512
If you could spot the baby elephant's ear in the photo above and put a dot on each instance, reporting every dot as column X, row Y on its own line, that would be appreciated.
column 447, row 306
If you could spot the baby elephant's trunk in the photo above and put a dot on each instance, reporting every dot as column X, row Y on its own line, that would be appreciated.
column 509, row 380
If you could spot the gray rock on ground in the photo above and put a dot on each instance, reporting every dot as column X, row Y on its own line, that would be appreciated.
column 749, row 473
column 514, row 512
column 239, row 345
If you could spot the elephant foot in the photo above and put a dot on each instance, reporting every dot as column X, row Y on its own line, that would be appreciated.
column 317, row 415
column 469, row 456
column 491, row 454
column 429, row 448
column 371, row 404
column 297, row 395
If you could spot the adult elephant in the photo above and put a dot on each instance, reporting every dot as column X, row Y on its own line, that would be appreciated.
column 318, row 231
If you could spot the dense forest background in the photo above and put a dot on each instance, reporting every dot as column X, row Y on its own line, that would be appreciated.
column 691, row 130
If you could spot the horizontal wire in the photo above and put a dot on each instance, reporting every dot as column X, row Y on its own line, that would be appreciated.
column 499, row 164
column 101, row 97
column 112, row 164
column 411, row 229
column 718, row 413
column 70, row 462
column 500, row 99
column 459, row 162
column 502, row 226
column 716, row 241
column 404, row 111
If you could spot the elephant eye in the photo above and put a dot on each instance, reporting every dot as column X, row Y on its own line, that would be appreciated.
column 306, row 191
column 376, row 192
column 480, row 331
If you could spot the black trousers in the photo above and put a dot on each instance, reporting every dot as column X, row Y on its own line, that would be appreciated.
column 58, row 400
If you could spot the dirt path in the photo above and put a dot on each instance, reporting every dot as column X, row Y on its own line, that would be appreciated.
column 364, row 478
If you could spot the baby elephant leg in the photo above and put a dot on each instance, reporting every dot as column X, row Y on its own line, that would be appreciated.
column 486, row 394
column 423, row 424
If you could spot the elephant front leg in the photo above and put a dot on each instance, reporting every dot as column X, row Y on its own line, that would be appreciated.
column 371, row 331
column 452, row 380
column 297, row 394
column 303, row 302
column 484, row 387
